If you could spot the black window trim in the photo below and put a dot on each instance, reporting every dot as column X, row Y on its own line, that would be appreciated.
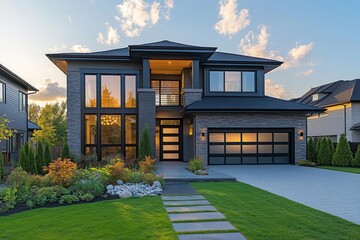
column 224, row 81
column 3, row 92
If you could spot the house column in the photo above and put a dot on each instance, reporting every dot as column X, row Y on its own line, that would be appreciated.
column 147, row 115
column 146, row 74
column 195, row 74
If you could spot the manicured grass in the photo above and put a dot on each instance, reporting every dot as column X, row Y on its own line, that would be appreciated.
column 342, row 169
column 262, row 215
column 135, row 218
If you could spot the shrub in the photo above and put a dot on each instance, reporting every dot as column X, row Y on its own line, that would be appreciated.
column 145, row 145
column 61, row 171
column 65, row 152
column 356, row 160
column 87, row 161
column 317, row 147
column 30, row 165
column 331, row 145
column 47, row 155
column 9, row 198
column 147, row 166
column 40, row 162
column 116, row 171
column 23, row 156
column 343, row 155
column 18, row 178
column 46, row 195
column 150, row 178
column 2, row 172
column 132, row 164
column 311, row 150
column 325, row 155
column 306, row 163
column 133, row 176
column 87, row 197
column 90, row 186
column 197, row 163
column 68, row 199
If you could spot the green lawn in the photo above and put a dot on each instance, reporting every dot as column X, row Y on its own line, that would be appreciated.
column 342, row 169
column 139, row 218
column 262, row 215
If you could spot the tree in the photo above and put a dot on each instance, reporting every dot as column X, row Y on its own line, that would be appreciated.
column 317, row 147
column 343, row 155
column 1, row 166
column 65, row 152
column 40, row 162
column 34, row 112
column 325, row 156
column 145, row 145
column 5, row 130
column 52, row 120
column 31, row 163
column 23, row 156
column 311, row 151
column 332, row 149
column 356, row 160
column 107, row 100
column 47, row 155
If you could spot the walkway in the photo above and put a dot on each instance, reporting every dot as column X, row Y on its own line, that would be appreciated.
column 177, row 172
column 334, row 192
column 191, row 214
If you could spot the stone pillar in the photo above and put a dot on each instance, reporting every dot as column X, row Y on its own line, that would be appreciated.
column 191, row 96
column 195, row 74
column 147, row 114
column 73, row 113
column 146, row 74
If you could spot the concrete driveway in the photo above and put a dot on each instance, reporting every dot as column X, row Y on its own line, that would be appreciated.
column 334, row 192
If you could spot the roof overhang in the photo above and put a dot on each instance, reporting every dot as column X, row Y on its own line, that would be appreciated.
column 18, row 79
column 266, row 65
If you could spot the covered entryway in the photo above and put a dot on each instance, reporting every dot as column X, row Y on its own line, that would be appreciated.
column 250, row 146
column 170, row 139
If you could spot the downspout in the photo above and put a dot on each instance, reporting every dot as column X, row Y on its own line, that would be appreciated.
column 27, row 115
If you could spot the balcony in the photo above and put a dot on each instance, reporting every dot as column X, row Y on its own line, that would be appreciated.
column 167, row 92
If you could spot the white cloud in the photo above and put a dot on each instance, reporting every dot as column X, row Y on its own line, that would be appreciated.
column 80, row 48
column 57, row 48
column 135, row 15
column 276, row 90
column 112, row 36
column 50, row 91
column 70, row 19
column 305, row 73
column 231, row 21
column 298, row 55
column 256, row 45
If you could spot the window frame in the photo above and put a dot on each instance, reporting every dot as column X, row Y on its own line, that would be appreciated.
column 22, row 101
column 166, row 80
column 98, row 110
column 3, row 92
column 224, row 81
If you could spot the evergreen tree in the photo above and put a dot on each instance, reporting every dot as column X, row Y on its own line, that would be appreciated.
column 65, row 152
column 1, row 166
column 343, row 155
column 47, row 155
column 311, row 151
column 31, row 163
column 332, row 149
column 23, row 157
column 40, row 162
column 325, row 156
column 145, row 145
column 356, row 160
column 317, row 148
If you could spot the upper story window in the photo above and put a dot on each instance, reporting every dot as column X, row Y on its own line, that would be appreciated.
column 2, row 91
column 114, row 90
column 22, row 102
column 232, row 81
column 167, row 93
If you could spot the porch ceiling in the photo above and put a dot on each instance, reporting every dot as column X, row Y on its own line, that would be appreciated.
column 169, row 66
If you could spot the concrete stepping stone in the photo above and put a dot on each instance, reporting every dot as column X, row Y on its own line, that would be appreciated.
column 203, row 226
column 180, row 198
column 190, row 209
column 184, row 203
column 212, row 236
column 195, row 216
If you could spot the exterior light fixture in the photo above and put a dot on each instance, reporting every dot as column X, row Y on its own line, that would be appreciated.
column 202, row 134
column 300, row 134
column 191, row 129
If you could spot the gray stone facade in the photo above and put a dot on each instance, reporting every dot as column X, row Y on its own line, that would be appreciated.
column 203, row 121
column 190, row 96
column 74, row 112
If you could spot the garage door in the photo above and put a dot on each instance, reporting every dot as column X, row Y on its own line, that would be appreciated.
column 250, row 146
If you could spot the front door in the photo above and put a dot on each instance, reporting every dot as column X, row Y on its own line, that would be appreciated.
column 170, row 140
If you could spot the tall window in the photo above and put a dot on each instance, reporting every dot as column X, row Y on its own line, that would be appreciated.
column 167, row 93
column 2, row 91
column 22, row 102
column 232, row 81
column 109, row 120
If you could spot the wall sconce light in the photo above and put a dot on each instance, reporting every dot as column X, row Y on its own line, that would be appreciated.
column 191, row 129
column 300, row 134
column 202, row 134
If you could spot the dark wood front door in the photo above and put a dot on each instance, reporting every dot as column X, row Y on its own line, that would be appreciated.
column 170, row 140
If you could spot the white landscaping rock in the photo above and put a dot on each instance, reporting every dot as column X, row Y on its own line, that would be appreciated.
column 119, row 182
column 109, row 187
column 134, row 190
column 157, row 184
column 125, row 194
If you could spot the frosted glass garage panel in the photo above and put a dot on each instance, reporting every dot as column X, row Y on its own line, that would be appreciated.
column 265, row 149
column 281, row 159
column 216, row 137
column 248, row 149
column 233, row 160
column 249, row 160
column 233, row 137
column 265, row 137
column 281, row 148
column 265, row 160
column 249, row 137
column 281, row 137
column 216, row 149
column 233, row 149
column 217, row 160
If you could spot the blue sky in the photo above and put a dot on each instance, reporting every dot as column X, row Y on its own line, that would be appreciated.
column 317, row 40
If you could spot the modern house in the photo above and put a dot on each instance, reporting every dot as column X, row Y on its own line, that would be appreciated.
column 341, row 99
column 14, row 93
column 195, row 101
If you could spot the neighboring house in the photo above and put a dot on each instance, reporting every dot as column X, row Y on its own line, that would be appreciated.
column 194, row 100
column 31, row 128
column 341, row 99
column 14, row 93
